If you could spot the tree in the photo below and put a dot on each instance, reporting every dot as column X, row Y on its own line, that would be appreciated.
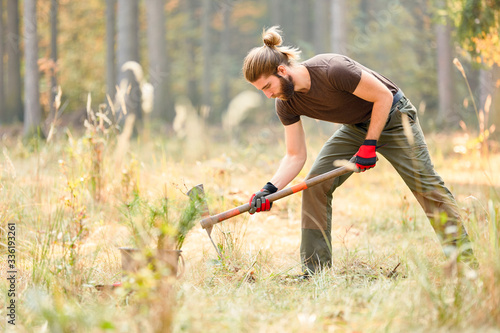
column 302, row 20
column 190, row 51
column 444, row 70
column 32, row 111
column 53, row 55
column 478, row 22
column 128, row 50
column 320, row 19
column 276, row 12
column 206, row 44
column 157, row 50
column 226, row 11
column 110, row 48
column 478, row 26
column 206, row 52
column 13, row 84
column 338, row 26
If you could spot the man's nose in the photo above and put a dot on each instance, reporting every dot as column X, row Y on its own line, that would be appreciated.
column 268, row 93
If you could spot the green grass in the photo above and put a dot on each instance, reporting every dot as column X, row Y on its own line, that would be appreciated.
column 70, row 224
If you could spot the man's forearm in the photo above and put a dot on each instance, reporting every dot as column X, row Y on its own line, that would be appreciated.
column 289, row 168
column 380, row 113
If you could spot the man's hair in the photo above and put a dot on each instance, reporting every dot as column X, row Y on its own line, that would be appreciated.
column 265, row 60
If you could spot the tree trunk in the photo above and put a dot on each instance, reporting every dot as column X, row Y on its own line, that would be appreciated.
column 338, row 26
column 32, row 111
column 495, row 106
column 288, row 24
column 276, row 10
column 445, row 75
column 128, row 50
column 225, row 54
column 364, row 10
column 53, row 55
column 110, row 48
column 320, row 19
column 13, row 84
column 192, row 88
column 206, row 53
column 302, row 19
column 2, row 96
column 157, row 49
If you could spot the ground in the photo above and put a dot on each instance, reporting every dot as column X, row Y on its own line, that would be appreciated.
column 69, row 205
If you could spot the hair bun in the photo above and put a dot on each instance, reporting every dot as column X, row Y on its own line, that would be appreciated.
column 271, row 37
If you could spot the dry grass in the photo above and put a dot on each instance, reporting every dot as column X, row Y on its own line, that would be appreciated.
column 68, row 241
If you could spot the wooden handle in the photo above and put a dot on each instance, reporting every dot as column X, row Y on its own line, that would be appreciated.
column 208, row 222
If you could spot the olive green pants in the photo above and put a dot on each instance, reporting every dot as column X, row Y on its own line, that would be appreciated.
column 410, row 159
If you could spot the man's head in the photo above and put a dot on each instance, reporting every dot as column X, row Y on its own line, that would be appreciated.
column 267, row 65
column 278, row 85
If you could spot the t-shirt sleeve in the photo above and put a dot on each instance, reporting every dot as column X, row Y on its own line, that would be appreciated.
column 284, row 114
column 344, row 74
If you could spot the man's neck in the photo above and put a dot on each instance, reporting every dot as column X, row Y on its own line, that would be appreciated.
column 301, row 79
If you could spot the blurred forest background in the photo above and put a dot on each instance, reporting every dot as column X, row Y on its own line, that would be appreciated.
column 194, row 49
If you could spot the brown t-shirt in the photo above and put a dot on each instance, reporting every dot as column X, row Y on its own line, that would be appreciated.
column 334, row 78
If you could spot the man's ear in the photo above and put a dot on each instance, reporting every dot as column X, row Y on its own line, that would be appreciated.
column 281, row 70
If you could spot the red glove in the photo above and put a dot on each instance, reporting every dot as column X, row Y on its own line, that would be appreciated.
column 258, row 201
column 366, row 158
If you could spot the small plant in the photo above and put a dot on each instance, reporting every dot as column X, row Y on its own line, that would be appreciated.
column 160, row 222
column 166, row 223
column 99, row 130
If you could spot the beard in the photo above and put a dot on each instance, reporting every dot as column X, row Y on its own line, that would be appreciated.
column 287, row 87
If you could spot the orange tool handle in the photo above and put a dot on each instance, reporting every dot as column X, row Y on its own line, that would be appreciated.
column 208, row 222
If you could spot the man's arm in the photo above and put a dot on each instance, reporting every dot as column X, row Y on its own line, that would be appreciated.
column 290, row 166
column 371, row 89
column 295, row 158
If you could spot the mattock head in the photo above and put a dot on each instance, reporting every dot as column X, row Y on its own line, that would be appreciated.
column 198, row 193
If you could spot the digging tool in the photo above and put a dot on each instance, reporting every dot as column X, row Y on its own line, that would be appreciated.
column 198, row 193
column 208, row 221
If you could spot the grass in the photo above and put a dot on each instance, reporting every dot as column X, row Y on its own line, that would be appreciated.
column 67, row 205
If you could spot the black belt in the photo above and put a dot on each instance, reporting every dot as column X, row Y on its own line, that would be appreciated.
column 397, row 97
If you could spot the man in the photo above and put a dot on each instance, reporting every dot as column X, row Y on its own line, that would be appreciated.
column 335, row 88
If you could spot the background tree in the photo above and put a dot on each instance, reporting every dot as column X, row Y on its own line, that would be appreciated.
column 13, row 84
column 189, row 50
column 302, row 21
column 206, row 49
column 338, row 27
column 157, row 50
column 110, row 48
column 276, row 12
column 478, row 21
column 128, row 50
column 32, row 111
column 53, row 56
column 478, row 30
column 447, row 116
column 225, row 47
column 320, row 24
column 207, row 41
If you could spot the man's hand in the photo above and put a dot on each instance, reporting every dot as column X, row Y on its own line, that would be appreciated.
column 258, row 202
column 366, row 158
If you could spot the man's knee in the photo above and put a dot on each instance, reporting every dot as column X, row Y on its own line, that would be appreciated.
column 316, row 206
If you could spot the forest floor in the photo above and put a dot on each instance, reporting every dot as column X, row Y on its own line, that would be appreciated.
column 68, row 199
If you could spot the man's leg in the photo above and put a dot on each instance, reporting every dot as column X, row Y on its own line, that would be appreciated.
column 412, row 161
column 315, row 249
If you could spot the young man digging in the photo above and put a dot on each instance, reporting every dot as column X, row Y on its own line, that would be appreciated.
column 332, row 87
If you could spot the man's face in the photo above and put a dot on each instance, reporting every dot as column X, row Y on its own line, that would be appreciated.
column 276, row 86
